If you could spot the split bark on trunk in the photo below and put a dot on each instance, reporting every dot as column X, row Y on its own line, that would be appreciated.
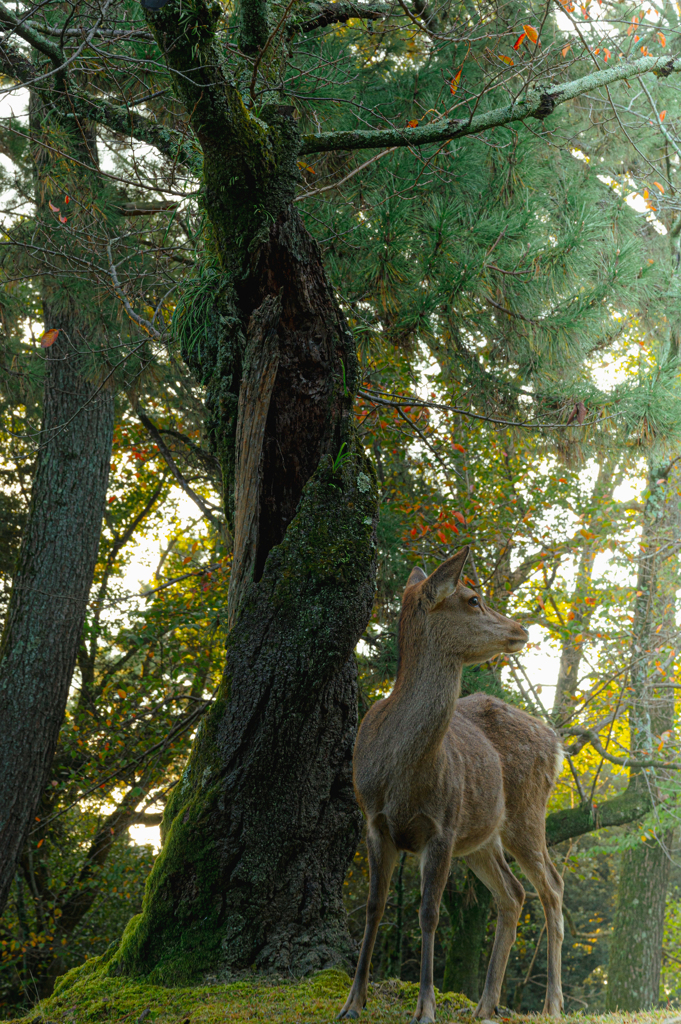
column 468, row 911
column 260, row 832
column 59, row 547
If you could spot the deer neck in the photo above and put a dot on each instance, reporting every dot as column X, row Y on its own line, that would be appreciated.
column 424, row 699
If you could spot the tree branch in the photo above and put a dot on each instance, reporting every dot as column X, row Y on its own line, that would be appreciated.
column 537, row 103
column 30, row 35
column 630, row 805
column 186, row 487
column 626, row 762
column 321, row 15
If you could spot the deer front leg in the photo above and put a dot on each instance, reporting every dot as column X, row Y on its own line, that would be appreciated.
column 382, row 856
column 489, row 864
column 435, row 861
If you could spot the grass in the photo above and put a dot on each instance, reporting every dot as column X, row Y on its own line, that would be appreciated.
column 86, row 995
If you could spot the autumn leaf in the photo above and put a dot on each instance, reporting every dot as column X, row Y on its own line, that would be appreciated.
column 67, row 199
column 412, row 124
column 62, row 219
column 531, row 33
column 606, row 52
column 55, row 209
column 460, row 517
column 565, row 49
column 661, row 37
column 458, row 448
column 658, row 186
column 454, row 84
column 121, row 693
column 578, row 413
column 518, row 41
column 579, row 638
column 40, row 843
column 663, row 114
column 507, row 60
column 646, row 193
column 49, row 338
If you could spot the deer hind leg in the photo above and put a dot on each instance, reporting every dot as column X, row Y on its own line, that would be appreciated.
column 435, row 861
column 539, row 868
column 489, row 864
column 382, row 855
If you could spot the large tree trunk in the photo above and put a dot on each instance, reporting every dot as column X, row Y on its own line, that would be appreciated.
column 59, row 547
column 468, row 910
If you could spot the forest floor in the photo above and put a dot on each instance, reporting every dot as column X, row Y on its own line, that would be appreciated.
column 88, row 996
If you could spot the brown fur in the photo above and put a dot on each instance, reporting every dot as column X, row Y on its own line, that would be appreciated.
column 442, row 777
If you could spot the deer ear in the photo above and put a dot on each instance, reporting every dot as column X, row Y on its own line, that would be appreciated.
column 417, row 575
column 441, row 583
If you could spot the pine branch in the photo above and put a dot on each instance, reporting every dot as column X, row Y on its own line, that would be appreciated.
column 629, row 806
column 321, row 15
column 31, row 35
column 537, row 103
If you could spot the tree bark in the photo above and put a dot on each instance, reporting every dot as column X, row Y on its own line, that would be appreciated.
column 59, row 548
column 259, row 833
column 468, row 911
column 636, row 947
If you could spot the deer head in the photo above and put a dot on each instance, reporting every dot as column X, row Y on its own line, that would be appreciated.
column 440, row 613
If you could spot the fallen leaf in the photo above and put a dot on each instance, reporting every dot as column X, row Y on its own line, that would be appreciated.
column 49, row 338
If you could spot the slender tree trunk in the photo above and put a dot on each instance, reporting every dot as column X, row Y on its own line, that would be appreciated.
column 636, row 945
column 59, row 547
column 468, row 911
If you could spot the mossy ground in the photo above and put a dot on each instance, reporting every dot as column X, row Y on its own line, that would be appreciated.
column 88, row 994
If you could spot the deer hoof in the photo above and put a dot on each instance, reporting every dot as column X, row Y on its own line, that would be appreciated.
column 348, row 1015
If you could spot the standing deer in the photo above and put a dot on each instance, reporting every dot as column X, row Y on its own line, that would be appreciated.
column 442, row 777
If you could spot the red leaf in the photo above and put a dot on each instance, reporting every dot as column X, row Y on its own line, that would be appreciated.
column 62, row 219
column 518, row 41
column 67, row 199
column 55, row 209
column 442, row 536
column 49, row 338
column 663, row 114
column 460, row 517
column 412, row 124
column 459, row 448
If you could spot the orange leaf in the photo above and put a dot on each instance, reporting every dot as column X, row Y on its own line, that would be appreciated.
column 460, row 517
column 40, row 843
column 597, row 51
column 566, row 48
column 606, row 51
column 412, row 124
column 49, row 338
column 121, row 693
column 62, row 219
column 454, row 84
column 531, row 33
column 442, row 536
column 506, row 60
column 658, row 186
column 661, row 37
column 459, row 448
column 663, row 114
column 518, row 41
column 540, row 602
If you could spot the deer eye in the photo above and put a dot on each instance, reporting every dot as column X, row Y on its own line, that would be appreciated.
column 474, row 601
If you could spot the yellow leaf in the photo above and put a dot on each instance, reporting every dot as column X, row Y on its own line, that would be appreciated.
column 646, row 194
column 506, row 60
column 579, row 638
column 531, row 33
column 454, row 84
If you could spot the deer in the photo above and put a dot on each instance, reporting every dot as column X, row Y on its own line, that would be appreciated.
column 442, row 776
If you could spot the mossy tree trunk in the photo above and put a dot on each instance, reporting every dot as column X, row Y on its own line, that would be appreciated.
column 469, row 909
column 61, row 536
column 260, row 831
column 635, row 956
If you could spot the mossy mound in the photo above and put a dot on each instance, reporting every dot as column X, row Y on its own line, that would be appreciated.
column 87, row 994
